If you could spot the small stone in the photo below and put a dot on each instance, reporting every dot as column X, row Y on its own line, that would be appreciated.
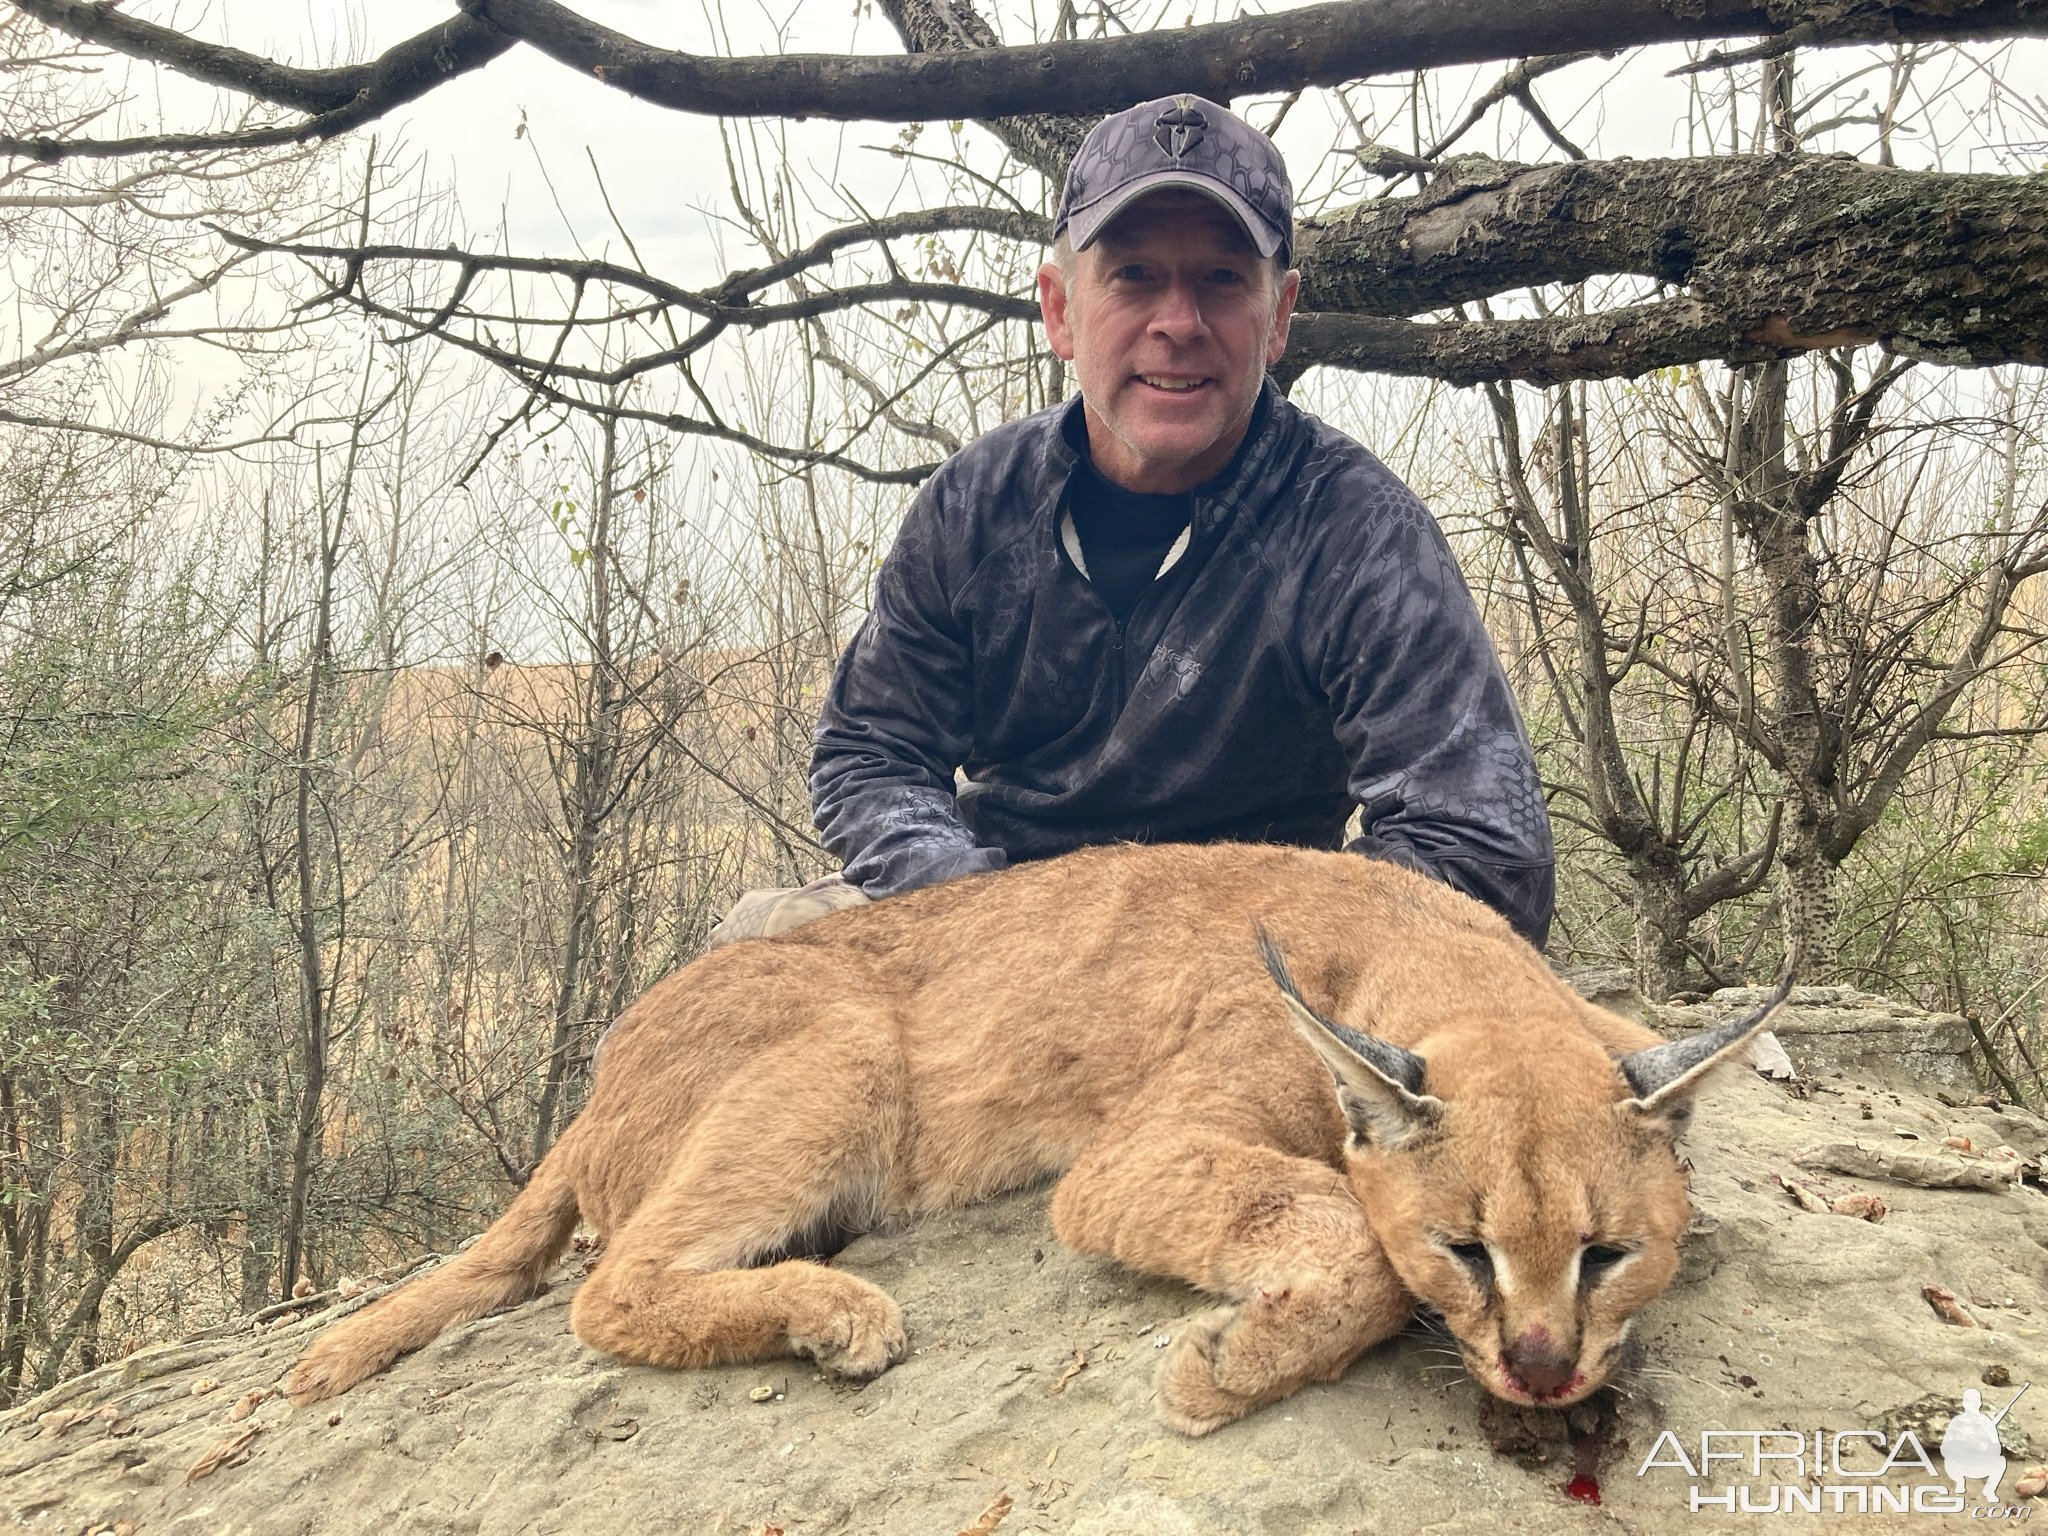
column 2031, row 1483
column 1996, row 1376
column 333, row 1419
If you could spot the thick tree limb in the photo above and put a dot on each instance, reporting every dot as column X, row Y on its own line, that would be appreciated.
column 336, row 100
column 409, row 70
column 1775, row 255
column 1317, row 45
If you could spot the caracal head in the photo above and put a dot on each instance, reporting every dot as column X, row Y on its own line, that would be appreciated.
column 1534, row 1199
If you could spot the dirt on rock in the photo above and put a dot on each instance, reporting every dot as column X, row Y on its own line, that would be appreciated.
column 1026, row 1405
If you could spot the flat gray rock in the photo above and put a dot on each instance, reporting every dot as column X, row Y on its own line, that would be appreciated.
column 1032, row 1380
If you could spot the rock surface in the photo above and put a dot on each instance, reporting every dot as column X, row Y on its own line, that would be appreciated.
column 1839, row 1029
column 1032, row 1382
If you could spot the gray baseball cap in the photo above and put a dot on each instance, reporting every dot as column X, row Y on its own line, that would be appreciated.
column 1179, row 141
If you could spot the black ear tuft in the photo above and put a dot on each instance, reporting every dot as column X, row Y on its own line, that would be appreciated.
column 1403, row 1068
column 1663, row 1077
column 1379, row 1085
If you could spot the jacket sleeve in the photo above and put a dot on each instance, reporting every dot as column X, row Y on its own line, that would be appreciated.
column 897, row 722
column 1439, row 763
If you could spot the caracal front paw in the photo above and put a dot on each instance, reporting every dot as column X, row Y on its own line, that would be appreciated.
column 857, row 1334
column 1200, row 1385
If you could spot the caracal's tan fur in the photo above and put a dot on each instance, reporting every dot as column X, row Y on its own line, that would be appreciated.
column 1107, row 1016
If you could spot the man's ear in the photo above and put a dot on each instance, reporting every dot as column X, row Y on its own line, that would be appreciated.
column 1379, row 1086
column 1283, row 316
column 1052, row 304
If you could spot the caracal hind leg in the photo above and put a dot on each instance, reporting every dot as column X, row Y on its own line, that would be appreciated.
column 1280, row 1237
column 793, row 1144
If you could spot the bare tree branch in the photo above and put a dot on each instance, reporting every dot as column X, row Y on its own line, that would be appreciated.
column 1316, row 45
column 409, row 70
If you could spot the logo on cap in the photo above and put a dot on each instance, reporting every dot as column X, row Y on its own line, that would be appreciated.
column 1180, row 127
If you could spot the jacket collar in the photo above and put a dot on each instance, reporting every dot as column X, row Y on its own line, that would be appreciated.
column 1217, row 500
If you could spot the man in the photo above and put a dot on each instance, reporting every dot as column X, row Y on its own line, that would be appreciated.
column 1177, row 609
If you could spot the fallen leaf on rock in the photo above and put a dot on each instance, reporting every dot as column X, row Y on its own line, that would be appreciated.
column 347, row 1289
column 986, row 1522
column 1767, row 1056
column 1805, row 1198
column 204, row 1385
column 302, row 1288
column 1947, row 1307
column 225, row 1454
column 1080, row 1363
column 1928, row 1170
column 1863, row 1207
column 2031, row 1484
column 247, row 1403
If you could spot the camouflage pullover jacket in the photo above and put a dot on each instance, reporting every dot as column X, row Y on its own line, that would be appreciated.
column 1313, row 647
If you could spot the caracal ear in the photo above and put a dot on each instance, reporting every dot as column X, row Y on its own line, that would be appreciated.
column 1665, row 1077
column 1379, row 1086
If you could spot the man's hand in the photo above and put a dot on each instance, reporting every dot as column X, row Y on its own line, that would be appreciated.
column 764, row 914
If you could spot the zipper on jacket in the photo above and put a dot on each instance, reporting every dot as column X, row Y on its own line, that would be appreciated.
column 1119, row 663
column 1119, row 651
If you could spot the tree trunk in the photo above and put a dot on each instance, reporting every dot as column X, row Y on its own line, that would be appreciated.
column 1662, row 926
column 589, row 804
column 313, row 985
column 98, row 1152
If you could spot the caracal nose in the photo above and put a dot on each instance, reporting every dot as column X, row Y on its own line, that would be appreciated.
column 1537, row 1364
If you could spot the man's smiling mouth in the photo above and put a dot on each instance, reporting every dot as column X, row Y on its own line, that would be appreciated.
column 1172, row 386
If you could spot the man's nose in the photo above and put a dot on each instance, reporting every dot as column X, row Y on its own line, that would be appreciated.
column 1179, row 312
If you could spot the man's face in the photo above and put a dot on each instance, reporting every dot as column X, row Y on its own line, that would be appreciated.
column 1170, row 319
